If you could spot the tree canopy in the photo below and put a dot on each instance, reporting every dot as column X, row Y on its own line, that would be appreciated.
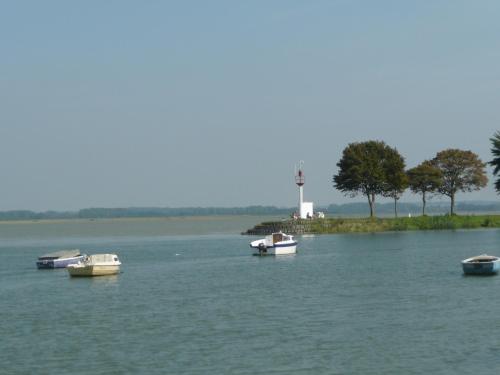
column 461, row 171
column 424, row 178
column 495, row 150
column 396, row 180
column 369, row 168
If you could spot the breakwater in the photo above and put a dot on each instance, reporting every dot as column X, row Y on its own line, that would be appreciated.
column 286, row 226
column 371, row 225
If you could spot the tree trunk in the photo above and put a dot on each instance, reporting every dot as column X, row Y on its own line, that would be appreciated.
column 371, row 202
column 395, row 207
column 423, row 203
column 452, row 208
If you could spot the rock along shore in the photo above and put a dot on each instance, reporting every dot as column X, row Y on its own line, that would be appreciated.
column 285, row 226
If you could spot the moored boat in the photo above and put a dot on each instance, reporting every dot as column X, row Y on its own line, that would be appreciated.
column 59, row 259
column 275, row 244
column 96, row 265
column 481, row 265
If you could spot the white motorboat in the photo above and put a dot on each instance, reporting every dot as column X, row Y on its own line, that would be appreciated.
column 96, row 265
column 274, row 244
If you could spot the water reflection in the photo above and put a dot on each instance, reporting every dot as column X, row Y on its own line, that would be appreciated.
column 98, row 280
column 105, row 280
column 285, row 258
column 307, row 236
column 277, row 258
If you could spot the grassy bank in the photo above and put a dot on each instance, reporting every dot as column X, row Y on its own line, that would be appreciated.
column 404, row 223
column 367, row 225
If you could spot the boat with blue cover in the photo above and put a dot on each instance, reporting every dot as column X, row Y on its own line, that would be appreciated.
column 59, row 259
column 481, row 265
column 275, row 244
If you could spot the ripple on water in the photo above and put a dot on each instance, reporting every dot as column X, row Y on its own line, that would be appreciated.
column 388, row 303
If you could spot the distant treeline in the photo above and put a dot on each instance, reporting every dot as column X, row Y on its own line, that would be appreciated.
column 348, row 209
column 183, row 211
column 105, row 213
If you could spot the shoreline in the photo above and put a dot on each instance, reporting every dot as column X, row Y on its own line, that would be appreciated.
column 131, row 219
column 368, row 225
column 275, row 223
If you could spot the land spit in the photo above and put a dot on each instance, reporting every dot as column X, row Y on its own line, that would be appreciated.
column 370, row 225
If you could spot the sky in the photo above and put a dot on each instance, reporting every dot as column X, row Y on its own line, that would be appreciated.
column 213, row 103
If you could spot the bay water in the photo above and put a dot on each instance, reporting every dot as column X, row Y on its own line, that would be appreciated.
column 192, row 300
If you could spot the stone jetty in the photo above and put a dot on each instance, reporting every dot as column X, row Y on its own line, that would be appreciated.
column 286, row 226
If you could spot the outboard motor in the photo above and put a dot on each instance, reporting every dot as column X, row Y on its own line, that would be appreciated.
column 262, row 249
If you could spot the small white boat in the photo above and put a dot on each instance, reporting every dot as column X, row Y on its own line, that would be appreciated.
column 481, row 265
column 274, row 244
column 96, row 265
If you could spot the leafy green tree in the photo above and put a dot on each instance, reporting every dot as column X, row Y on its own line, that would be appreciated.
column 495, row 150
column 424, row 178
column 461, row 171
column 396, row 180
column 369, row 168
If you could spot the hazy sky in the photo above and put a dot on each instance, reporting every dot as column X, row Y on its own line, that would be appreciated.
column 212, row 103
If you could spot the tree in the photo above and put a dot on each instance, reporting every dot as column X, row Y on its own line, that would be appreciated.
column 396, row 180
column 367, row 168
column 495, row 150
column 424, row 178
column 461, row 171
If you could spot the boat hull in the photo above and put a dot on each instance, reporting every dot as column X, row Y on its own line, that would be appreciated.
column 93, row 270
column 486, row 268
column 57, row 263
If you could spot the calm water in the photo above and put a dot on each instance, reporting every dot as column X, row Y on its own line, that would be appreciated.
column 191, row 300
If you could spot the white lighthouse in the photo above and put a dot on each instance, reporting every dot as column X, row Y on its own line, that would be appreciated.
column 305, row 208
